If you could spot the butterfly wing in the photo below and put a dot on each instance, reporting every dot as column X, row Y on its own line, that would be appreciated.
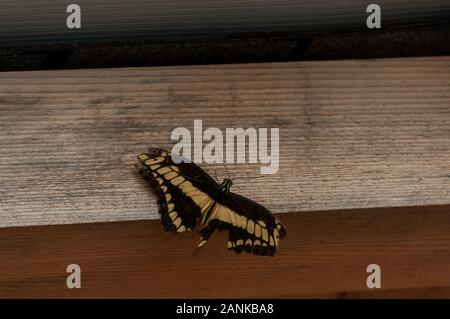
column 186, row 193
column 251, row 226
column 183, row 189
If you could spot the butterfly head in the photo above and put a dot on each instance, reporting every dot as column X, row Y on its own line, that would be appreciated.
column 224, row 187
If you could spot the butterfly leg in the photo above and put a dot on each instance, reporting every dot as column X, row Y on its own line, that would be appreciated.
column 205, row 233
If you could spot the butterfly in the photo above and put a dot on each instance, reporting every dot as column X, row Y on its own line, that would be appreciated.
column 188, row 195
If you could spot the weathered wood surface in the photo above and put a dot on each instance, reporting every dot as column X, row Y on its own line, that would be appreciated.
column 324, row 255
column 353, row 134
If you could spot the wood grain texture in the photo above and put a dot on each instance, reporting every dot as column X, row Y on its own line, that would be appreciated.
column 324, row 255
column 353, row 134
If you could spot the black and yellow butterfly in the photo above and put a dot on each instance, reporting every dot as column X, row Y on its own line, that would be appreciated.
column 187, row 194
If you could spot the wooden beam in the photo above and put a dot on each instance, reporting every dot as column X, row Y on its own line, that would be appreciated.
column 324, row 255
column 353, row 134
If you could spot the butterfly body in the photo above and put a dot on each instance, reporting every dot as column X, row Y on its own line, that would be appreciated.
column 187, row 194
column 224, row 188
column 220, row 196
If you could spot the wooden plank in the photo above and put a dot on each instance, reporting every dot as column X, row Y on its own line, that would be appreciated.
column 353, row 134
column 324, row 255
column 408, row 293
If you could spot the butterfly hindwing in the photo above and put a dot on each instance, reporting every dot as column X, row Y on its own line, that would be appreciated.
column 252, row 228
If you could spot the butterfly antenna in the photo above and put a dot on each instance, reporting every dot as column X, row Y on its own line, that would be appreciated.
column 226, row 169
column 215, row 177
column 242, row 177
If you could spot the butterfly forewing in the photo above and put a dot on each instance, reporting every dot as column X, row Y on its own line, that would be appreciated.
column 178, row 187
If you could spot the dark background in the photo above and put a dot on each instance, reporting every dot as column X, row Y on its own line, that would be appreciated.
column 33, row 35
